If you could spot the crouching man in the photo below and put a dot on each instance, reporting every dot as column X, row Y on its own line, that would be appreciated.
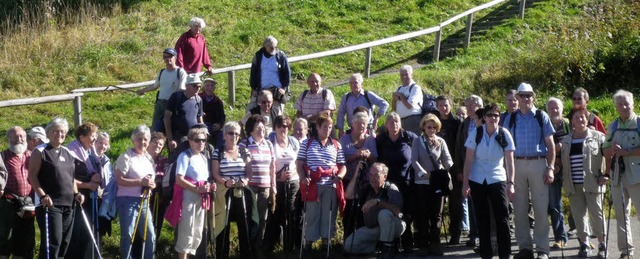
column 381, row 203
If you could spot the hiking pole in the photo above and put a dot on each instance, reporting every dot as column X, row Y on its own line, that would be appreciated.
column 156, row 205
column 146, row 221
column 356, row 201
column 96, row 218
column 333, row 186
column 606, row 252
column 304, row 221
column 226, row 217
column 244, row 208
column 88, row 225
column 135, row 227
column 46, row 225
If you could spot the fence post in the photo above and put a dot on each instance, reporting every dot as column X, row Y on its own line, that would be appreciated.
column 436, row 46
column 231, row 75
column 367, row 63
column 467, row 37
column 77, row 111
column 522, row 5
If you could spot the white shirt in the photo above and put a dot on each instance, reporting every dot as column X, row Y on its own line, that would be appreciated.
column 414, row 97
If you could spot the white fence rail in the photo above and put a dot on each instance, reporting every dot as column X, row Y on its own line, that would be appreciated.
column 75, row 97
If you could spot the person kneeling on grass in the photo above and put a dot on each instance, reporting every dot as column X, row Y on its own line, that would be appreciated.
column 381, row 203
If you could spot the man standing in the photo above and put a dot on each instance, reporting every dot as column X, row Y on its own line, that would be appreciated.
column 192, row 48
column 184, row 110
column 562, row 126
column 407, row 101
column 213, row 108
column 270, row 71
column 315, row 101
column 512, row 105
column 170, row 80
column 17, row 234
column 621, row 146
column 580, row 101
column 381, row 204
column 360, row 97
column 535, row 155
column 36, row 136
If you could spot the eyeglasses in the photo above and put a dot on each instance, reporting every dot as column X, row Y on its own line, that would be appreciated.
column 526, row 96
column 493, row 115
column 200, row 140
column 283, row 126
column 577, row 98
column 235, row 134
column 196, row 85
column 432, row 127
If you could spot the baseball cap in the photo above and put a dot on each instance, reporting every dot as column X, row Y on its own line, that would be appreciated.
column 170, row 51
column 209, row 79
column 38, row 133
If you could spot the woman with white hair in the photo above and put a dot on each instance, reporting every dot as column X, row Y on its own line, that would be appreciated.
column 192, row 48
column 51, row 172
column 135, row 177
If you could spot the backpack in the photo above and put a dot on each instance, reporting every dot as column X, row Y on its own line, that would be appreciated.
column 614, row 128
column 169, row 178
column 428, row 101
column 160, row 76
column 366, row 97
column 500, row 138
column 324, row 95
column 512, row 123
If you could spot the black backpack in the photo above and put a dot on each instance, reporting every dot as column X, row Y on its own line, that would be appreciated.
column 428, row 105
column 512, row 123
column 500, row 138
column 324, row 95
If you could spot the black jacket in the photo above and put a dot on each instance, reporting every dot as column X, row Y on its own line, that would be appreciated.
column 284, row 71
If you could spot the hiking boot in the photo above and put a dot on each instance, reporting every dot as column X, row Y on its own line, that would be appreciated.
column 472, row 242
column 454, row 241
column 602, row 251
column 584, row 250
column 524, row 254
column 558, row 244
column 323, row 251
column 387, row 251
column 436, row 249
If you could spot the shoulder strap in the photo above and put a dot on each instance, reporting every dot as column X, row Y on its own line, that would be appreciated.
column 433, row 161
column 566, row 125
column 304, row 94
column 479, row 135
column 512, row 121
column 502, row 140
column 324, row 94
column 538, row 116
column 366, row 97
column 160, row 74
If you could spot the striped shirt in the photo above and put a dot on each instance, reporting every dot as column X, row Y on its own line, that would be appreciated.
column 231, row 168
column 324, row 157
column 312, row 104
column 261, row 158
column 576, row 159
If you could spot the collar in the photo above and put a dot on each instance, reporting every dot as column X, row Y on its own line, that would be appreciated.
column 253, row 141
column 361, row 92
column 532, row 111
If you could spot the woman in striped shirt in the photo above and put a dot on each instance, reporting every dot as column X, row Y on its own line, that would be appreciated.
column 581, row 156
column 231, row 173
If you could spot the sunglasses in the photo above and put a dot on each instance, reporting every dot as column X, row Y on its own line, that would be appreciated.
column 266, row 102
column 526, row 96
column 283, row 126
column 493, row 115
column 432, row 127
column 200, row 140
column 235, row 134
column 577, row 98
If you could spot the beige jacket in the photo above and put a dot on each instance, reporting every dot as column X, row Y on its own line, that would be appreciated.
column 593, row 162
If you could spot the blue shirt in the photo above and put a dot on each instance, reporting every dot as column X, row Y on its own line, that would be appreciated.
column 350, row 102
column 489, row 157
column 194, row 167
column 526, row 134
column 321, row 156
column 269, row 77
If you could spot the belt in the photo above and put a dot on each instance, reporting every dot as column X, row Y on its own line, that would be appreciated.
column 410, row 116
column 529, row 157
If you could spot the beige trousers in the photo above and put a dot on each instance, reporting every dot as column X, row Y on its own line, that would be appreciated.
column 529, row 183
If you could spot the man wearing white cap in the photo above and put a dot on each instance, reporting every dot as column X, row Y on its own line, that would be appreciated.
column 532, row 133
column 184, row 109
column 36, row 137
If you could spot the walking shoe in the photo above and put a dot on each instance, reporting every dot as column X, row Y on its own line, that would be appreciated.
column 524, row 254
column 472, row 242
column 558, row 244
column 602, row 250
column 542, row 255
column 572, row 232
column 584, row 250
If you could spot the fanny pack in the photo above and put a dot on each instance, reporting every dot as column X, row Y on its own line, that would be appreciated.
column 25, row 208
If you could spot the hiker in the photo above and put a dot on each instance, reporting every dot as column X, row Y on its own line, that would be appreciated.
column 102, row 145
column 159, row 205
column 270, row 71
column 135, row 175
column 381, row 207
column 562, row 127
column 321, row 167
column 315, row 101
column 192, row 48
column 511, row 102
column 266, row 110
column 51, row 172
column 170, row 79
column 17, row 233
column 580, row 99
column 532, row 132
column 213, row 111
column 35, row 137
column 581, row 158
column 300, row 129
column 360, row 97
column 488, row 176
column 620, row 147
column 407, row 100
column 429, row 153
column 184, row 110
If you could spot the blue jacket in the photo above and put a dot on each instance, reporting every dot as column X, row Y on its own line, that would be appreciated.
column 284, row 71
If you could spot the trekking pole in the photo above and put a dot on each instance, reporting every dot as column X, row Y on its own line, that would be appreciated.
column 146, row 221
column 46, row 225
column 244, row 208
column 285, row 227
column 88, row 225
column 97, row 218
column 606, row 252
column 304, row 221
column 156, row 205
column 356, row 202
column 333, row 186
column 226, row 213
column 135, row 227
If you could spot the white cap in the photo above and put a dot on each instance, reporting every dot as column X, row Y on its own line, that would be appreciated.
column 193, row 79
column 524, row 88
column 38, row 133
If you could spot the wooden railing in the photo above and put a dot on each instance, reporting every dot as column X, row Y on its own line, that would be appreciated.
column 75, row 97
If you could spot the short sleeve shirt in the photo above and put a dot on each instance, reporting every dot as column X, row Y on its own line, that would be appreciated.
column 489, row 157
column 261, row 158
column 134, row 166
column 312, row 104
column 195, row 167
column 349, row 149
column 318, row 156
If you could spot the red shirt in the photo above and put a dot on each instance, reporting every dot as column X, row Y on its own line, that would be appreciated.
column 192, row 52
column 18, row 173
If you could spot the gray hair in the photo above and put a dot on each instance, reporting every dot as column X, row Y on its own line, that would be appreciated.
column 406, row 68
column 197, row 21
column 360, row 117
column 13, row 130
column 57, row 123
column 584, row 92
column 622, row 93
column 141, row 130
column 232, row 125
column 193, row 132
column 394, row 116
column 557, row 101
column 302, row 121
column 382, row 168
column 473, row 99
column 103, row 135
column 265, row 94
column 270, row 41
column 358, row 77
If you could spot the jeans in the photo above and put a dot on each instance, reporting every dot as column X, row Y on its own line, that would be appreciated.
column 555, row 211
column 128, row 208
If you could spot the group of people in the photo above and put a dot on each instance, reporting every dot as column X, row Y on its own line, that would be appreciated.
column 284, row 180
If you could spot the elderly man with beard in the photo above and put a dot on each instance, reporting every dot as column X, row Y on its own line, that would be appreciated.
column 17, row 234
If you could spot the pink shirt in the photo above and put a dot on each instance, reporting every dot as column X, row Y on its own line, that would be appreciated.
column 192, row 52
column 134, row 166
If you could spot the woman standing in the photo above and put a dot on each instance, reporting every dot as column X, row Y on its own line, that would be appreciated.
column 428, row 153
column 320, row 166
column 231, row 173
column 192, row 174
column 135, row 177
column 485, row 177
column 103, row 143
column 581, row 156
column 158, row 204
column 51, row 171
column 360, row 152
column 285, row 216
column 263, row 173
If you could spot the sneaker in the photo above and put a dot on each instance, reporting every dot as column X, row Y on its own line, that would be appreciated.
column 584, row 250
column 542, row 255
column 472, row 242
column 524, row 254
column 602, row 251
column 558, row 244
